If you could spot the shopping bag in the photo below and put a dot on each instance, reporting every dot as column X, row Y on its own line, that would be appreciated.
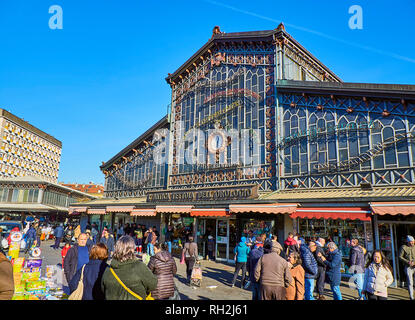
column 196, row 277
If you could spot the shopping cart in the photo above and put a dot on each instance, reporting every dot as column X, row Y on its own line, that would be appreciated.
column 196, row 277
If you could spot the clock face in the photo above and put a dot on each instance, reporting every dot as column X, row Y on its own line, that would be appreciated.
column 216, row 142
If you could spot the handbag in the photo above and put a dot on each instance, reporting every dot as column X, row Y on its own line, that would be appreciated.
column 149, row 297
column 78, row 293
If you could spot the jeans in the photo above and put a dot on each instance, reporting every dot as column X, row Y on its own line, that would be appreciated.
column 359, row 280
column 169, row 245
column 150, row 249
column 239, row 266
column 256, row 292
column 337, row 295
column 410, row 278
column 29, row 244
column 308, row 288
column 57, row 243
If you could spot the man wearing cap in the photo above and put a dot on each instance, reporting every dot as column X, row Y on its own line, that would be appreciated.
column 407, row 256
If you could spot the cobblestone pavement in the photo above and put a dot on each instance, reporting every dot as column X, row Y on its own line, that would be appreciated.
column 217, row 279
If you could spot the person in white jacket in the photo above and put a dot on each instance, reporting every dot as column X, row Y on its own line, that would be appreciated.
column 378, row 277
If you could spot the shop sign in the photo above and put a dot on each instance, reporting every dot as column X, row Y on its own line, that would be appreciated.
column 206, row 194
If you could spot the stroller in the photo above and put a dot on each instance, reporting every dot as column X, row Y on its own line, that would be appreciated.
column 196, row 277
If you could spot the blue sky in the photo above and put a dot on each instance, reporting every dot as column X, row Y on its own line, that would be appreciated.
column 98, row 83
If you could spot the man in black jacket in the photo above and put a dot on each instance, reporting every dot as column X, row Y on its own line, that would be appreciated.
column 77, row 256
column 321, row 274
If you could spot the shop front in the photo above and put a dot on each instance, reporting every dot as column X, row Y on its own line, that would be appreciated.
column 337, row 224
column 393, row 222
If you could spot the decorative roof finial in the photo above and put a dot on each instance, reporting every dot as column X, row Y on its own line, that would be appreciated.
column 216, row 30
column 281, row 26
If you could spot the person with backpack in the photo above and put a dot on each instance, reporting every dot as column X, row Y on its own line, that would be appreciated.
column 309, row 265
column 357, row 265
column 241, row 256
column 333, row 274
column 190, row 255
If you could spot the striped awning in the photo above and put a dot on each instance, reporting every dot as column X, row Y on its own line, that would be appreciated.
column 343, row 213
column 264, row 208
column 127, row 209
column 393, row 208
column 96, row 211
column 174, row 209
column 143, row 212
column 76, row 210
column 216, row 212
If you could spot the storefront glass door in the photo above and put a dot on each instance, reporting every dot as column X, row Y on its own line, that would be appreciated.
column 222, row 235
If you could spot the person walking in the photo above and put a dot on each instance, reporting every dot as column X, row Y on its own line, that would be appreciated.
column 273, row 274
column 321, row 268
column 92, row 273
column 241, row 256
column 151, row 239
column 254, row 255
column 407, row 257
column 30, row 238
column 291, row 245
column 69, row 234
column 295, row 290
column 6, row 278
column 169, row 236
column 309, row 265
column 357, row 265
column 38, row 229
column 378, row 277
column 77, row 256
column 58, row 233
column 108, row 240
column 164, row 267
column 190, row 254
column 333, row 274
column 127, row 278
column 211, row 247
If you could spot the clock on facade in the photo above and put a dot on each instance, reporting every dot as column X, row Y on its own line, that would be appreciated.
column 217, row 140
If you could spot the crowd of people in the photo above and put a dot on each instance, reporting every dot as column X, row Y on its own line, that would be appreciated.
column 300, row 269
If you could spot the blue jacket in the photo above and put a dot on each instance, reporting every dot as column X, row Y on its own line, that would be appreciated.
column 309, row 263
column 58, row 232
column 241, row 250
column 31, row 234
column 108, row 242
column 254, row 255
column 93, row 272
column 333, row 263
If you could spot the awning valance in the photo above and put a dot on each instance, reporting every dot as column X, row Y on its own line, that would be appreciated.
column 96, row 211
column 74, row 210
column 127, row 209
column 264, row 208
column 174, row 209
column 393, row 208
column 352, row 213
column 216, row 212
column 143, row 212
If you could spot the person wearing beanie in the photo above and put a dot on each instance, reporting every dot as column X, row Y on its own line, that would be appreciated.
column 407, row 257
column 241, row 257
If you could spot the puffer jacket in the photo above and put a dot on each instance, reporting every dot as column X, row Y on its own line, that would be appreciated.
column 357, row 259
column 6, row 278
column 241, row 251
column 333, row 263
column 254, row 255
column 272, row 270
column 164, row 267
column 134, row 274
column 309, row 263
column 377, row 280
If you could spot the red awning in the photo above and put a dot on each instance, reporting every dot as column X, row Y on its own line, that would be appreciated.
column 209, row 212
column 264, row 208
column 96, row 211
column 393, row 208
column 127, row 209
column 352, row 213
column 143, row 212
column 174, row 209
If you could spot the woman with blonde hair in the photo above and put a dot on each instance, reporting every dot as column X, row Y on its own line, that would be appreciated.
column 127, row 278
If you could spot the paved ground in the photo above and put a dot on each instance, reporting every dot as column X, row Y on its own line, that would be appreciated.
column 218, row 276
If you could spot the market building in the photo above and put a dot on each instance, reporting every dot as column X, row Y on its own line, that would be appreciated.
column 26, row 150
column 264, row 137
column 30, row 196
